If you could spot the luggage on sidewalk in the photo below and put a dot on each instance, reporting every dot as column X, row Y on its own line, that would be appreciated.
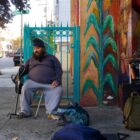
column 73, row 113
column 77, row 132
column 132, row 112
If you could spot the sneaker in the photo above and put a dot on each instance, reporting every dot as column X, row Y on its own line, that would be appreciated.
column 53, row 117
column 22, row 115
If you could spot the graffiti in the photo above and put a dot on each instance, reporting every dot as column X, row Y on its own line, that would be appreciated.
column 104, row 28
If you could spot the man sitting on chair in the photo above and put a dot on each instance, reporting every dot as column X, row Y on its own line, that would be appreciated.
column 44, row 71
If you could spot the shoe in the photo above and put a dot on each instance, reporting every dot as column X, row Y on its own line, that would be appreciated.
column 53, row 117
column 22, row 115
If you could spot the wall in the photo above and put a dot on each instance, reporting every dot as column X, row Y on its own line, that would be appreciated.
column 135, row 27
column 98, row 20
column 62, row 12
column 106, row 44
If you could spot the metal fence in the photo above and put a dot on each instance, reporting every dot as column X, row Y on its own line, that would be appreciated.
column 64, row 43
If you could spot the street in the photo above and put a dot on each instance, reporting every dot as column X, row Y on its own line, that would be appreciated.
column 6, row 62
column 7, row 68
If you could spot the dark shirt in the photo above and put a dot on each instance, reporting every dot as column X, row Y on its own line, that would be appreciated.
column 45, row 71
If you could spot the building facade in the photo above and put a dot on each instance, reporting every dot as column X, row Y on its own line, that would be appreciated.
column 109, row 32
column 62, row 12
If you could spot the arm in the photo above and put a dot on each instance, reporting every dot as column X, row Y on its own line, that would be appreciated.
column 58, row 71
column 24, row 69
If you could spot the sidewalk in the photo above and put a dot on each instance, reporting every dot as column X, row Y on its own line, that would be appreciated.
column 5, row 76
column 106, row 119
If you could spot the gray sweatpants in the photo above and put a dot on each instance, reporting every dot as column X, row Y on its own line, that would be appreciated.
column 52, row 96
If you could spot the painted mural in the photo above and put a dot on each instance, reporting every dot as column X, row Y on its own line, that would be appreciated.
column 109, row 35
column 99, row 51
column 125, row 39
column 125, row 30
column 136, row 28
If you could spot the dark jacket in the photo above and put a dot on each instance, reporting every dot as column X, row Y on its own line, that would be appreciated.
column 45, row 71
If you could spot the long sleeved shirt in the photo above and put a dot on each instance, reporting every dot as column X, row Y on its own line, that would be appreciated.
column 45, row 71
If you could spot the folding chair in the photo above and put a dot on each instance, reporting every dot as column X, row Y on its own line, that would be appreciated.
column 38, row 96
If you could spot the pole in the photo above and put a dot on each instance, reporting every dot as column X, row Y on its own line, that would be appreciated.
column 21, row 38
column 46, row 14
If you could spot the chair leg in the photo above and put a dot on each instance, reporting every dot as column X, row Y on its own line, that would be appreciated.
column 38, row 104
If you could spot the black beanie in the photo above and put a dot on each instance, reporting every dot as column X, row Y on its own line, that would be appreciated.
column 38, row 43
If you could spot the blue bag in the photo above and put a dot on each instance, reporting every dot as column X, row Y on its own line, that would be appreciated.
column 77, row 132
column 74, row 113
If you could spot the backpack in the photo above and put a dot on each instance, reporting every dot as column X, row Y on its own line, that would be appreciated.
column 77, row 132
column 17, row 80
column 74, row 113
column 132, row 112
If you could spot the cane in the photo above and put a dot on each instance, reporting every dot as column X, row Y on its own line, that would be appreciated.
column 18, row 80
column 15, row 114
column 13, row 77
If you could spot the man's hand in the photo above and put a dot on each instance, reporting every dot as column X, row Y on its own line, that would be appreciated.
column 55, row 83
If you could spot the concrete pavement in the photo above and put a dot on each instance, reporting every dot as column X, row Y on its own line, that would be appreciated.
column 107, row 119
column 6, row 70
column 5, row 76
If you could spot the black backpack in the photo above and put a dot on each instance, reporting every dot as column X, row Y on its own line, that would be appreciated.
column 18, row 80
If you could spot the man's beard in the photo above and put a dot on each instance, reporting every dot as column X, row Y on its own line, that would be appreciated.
column 40, row 56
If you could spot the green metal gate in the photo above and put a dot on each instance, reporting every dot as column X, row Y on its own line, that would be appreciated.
column 64, row 43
